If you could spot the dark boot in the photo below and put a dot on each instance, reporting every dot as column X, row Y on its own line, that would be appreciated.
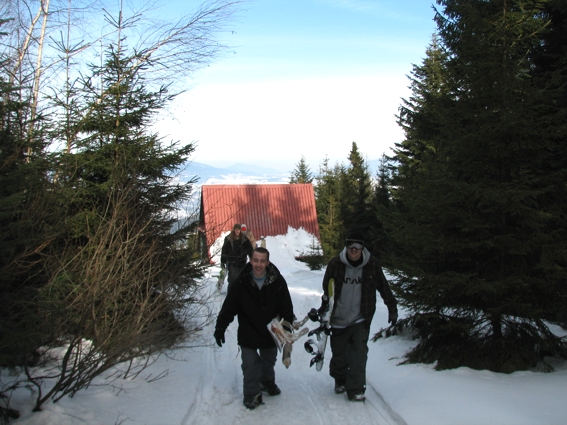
column 270, row 387
column 251, row 402
column 339, row 387
column 356, row 396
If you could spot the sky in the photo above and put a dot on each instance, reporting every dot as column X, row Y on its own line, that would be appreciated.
column 304, row 78
column 203, row 385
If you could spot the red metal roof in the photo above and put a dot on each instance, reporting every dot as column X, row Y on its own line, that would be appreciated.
column 266, row 209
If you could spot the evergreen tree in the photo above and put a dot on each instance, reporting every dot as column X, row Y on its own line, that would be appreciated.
column 23, row 191
column 302, row 173
column 356, row 194
column 550, row 76
column 419, row 162
column 88, row 246
column 379, row 242
column 327, row 202
column 472, row 176
column 120, row 274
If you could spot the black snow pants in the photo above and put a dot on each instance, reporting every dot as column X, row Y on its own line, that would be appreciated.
column 258, row 367
column 349, row 347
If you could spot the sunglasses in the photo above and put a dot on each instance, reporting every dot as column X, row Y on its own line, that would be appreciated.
column 354, row 245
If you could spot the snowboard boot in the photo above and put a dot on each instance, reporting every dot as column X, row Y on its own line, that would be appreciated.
column 339, row 387
column 356, row 396
column 251, row 402
column 270, row 387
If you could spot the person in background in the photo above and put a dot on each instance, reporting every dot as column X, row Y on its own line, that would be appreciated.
column 259, row 294
column 358, row 275
column 235, row 252
column 248, row 233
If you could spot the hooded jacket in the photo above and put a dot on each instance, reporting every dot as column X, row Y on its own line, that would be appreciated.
column 255, row 307
column 235, row 251
column 371, row 279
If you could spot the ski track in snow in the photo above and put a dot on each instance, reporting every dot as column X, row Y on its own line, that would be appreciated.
column 307, row 396
column 388, row 414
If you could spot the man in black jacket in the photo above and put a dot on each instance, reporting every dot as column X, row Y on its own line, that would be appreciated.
column 357, row 275
column 235, row 251
column 259, row 294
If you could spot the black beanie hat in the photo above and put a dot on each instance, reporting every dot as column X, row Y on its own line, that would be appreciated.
column 355, row 235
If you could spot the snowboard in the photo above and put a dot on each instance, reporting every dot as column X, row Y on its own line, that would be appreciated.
column 283, row 338
column 318, row 345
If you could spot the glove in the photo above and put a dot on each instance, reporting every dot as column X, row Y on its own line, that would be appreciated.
column 393, row 318
column 219, row 336
column 313, row 315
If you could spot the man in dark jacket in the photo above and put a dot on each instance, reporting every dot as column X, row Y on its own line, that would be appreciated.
column 259, row 294
column 358, row 275
column 235, row 251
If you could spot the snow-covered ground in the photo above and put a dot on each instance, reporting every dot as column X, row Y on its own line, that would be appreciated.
column 204, row 385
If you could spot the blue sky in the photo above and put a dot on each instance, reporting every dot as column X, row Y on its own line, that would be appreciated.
column 304, row 77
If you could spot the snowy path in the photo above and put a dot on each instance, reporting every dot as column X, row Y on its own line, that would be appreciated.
column 203, row 385
column 307, row 395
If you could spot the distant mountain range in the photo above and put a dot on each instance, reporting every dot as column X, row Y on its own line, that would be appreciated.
column 235, row 174
column 243, row 173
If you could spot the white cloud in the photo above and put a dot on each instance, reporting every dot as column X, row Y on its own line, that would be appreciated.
column 282, row 120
